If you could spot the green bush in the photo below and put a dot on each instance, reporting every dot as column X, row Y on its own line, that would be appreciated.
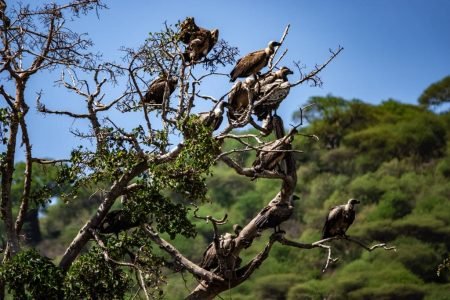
column 311, row 290
column 274, row 287
column 28, row 275
column 91, row 277
column 393, row 205
column 389, row 292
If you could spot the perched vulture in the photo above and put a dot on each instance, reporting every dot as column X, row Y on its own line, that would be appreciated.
column 155, row 93
column 267, row 126
column 272, row 216
column 213, row 118
column 253, row 62
column 339, row 219
column 116, row 221
column 199, row 40
column 239, row 98
column 272, row 154
column 226, row 243
column 272, row 90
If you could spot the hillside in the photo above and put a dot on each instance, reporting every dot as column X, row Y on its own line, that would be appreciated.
column 393, row 157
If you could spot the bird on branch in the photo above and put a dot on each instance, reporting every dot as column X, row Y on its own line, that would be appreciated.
column 213, row 118
column 199, row 40
column 274, row 87
column 339, row 219
column 273, row 215
column 162, row 86
column 116, row 221
column 210, row 261
column 239, row 98
column 253, row 62
column 267, row 126
column 269, row 156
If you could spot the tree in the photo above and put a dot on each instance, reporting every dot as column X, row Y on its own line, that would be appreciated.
column 437, row 93
column 157, row 169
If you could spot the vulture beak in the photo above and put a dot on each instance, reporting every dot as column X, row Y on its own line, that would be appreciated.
column 289, row 71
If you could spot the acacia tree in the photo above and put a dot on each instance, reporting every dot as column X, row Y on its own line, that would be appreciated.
column 157, row 169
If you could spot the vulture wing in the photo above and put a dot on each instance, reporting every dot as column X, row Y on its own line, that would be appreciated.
column 332, row 221
column 249, row 64
column 155, row 92
column 263, row 217
column 209, row 260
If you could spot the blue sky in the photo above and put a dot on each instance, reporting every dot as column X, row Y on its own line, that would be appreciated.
column 392, row 49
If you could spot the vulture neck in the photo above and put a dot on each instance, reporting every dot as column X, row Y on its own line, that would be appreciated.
column 269, row 50
column 218, row 111
column 348, row 207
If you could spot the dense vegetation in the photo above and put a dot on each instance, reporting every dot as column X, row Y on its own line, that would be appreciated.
column 95, row 225
column 394, row 157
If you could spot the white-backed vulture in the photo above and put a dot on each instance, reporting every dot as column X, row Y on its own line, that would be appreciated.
column 157, row 89
column 199, row 40
column 213, row 118
column 253, row 62
column 272, row 154
column 273, row 88
column 239, row 98
column 267, row 126
column 272, row 216
column 339, row 219
column 226, row 244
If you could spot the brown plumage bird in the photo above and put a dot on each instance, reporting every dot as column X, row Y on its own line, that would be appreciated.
column 199, row 40
column 213, row 118
column 226, row 244
column 253, row 62
column 272, row 216
column 239, row 98
column 339, row 219
column 267, row 126
column 269, row 157
column 116, row 221
column 273, row 88
column 159, row 87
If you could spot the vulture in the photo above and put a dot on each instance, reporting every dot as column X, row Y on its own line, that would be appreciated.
column 267, row 126
column 253, row 62
column 226, row 243
column 199, row 40
column 213, row 118
column 339, row 219
column 116, row 221
column 156, row 91
column 239, row 98
column 273, row 89
column 272, row 216
column 269, row 156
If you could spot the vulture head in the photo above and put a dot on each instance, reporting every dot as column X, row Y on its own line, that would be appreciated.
column 283, row 73
column 237, row 229
column 187, row 28
column 214, row 36
column 173, row 79
column 351, row 203
column 271, row 47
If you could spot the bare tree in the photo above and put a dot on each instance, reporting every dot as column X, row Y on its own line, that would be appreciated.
column 171, row 151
